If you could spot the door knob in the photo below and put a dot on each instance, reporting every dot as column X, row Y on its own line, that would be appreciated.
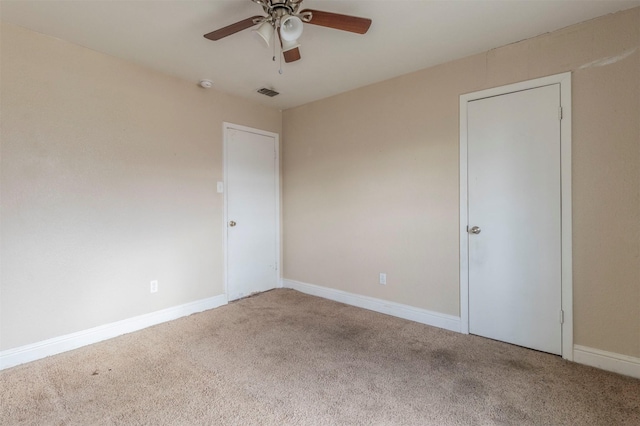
column 232, row 223
column 475, row 230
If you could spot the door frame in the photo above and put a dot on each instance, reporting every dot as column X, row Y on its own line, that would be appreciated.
column 226, row 126
column 564, row 80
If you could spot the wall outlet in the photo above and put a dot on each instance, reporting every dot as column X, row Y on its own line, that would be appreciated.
column 383, row 278
column 154, row 286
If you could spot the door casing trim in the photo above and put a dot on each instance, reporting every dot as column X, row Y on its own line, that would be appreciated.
column 225, row 219
column 564, row 80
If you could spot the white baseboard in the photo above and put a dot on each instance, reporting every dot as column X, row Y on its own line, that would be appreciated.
column 423, row 316
column 610, row 361
column 56, row 345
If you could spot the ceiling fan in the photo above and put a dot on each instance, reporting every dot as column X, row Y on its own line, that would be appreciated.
column 285, row 18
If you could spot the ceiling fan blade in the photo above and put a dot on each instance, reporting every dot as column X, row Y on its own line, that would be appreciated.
column 339, row 22
column 292, row 55
column 232, row 29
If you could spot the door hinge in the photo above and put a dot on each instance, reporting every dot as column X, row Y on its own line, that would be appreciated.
column 275, row 155
column 561, row 316
column 559, row 113
column 276, row 266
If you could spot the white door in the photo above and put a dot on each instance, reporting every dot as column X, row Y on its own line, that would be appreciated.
column 252, row 211
column 514, row 200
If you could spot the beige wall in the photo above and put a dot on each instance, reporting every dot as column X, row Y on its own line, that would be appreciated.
column 109, row 177
column 371, row 179
column 109, row 170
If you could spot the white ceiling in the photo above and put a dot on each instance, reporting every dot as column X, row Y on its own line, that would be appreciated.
column 406, row 35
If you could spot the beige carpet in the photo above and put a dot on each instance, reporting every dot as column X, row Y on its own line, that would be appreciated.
column 283, row 357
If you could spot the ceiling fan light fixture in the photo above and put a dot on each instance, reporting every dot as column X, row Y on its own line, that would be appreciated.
column 290, row 28
column 265, row 31
column 288, row 45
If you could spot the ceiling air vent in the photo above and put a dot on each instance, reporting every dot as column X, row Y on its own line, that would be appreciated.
column 269, row 92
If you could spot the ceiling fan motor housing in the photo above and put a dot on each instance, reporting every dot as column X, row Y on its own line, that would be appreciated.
column 276, row 9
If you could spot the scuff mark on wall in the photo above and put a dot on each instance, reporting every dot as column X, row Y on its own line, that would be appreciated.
column 609, row 60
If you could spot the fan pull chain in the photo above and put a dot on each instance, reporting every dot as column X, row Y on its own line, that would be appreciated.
column 275, row 34
column 281, row 54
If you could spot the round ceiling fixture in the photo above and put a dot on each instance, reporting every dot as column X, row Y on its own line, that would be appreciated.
column 206, row 84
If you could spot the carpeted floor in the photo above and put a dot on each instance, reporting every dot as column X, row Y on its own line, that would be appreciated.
column 282, row 358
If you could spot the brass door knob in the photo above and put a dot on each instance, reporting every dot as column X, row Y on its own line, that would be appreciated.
column 232, row 223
